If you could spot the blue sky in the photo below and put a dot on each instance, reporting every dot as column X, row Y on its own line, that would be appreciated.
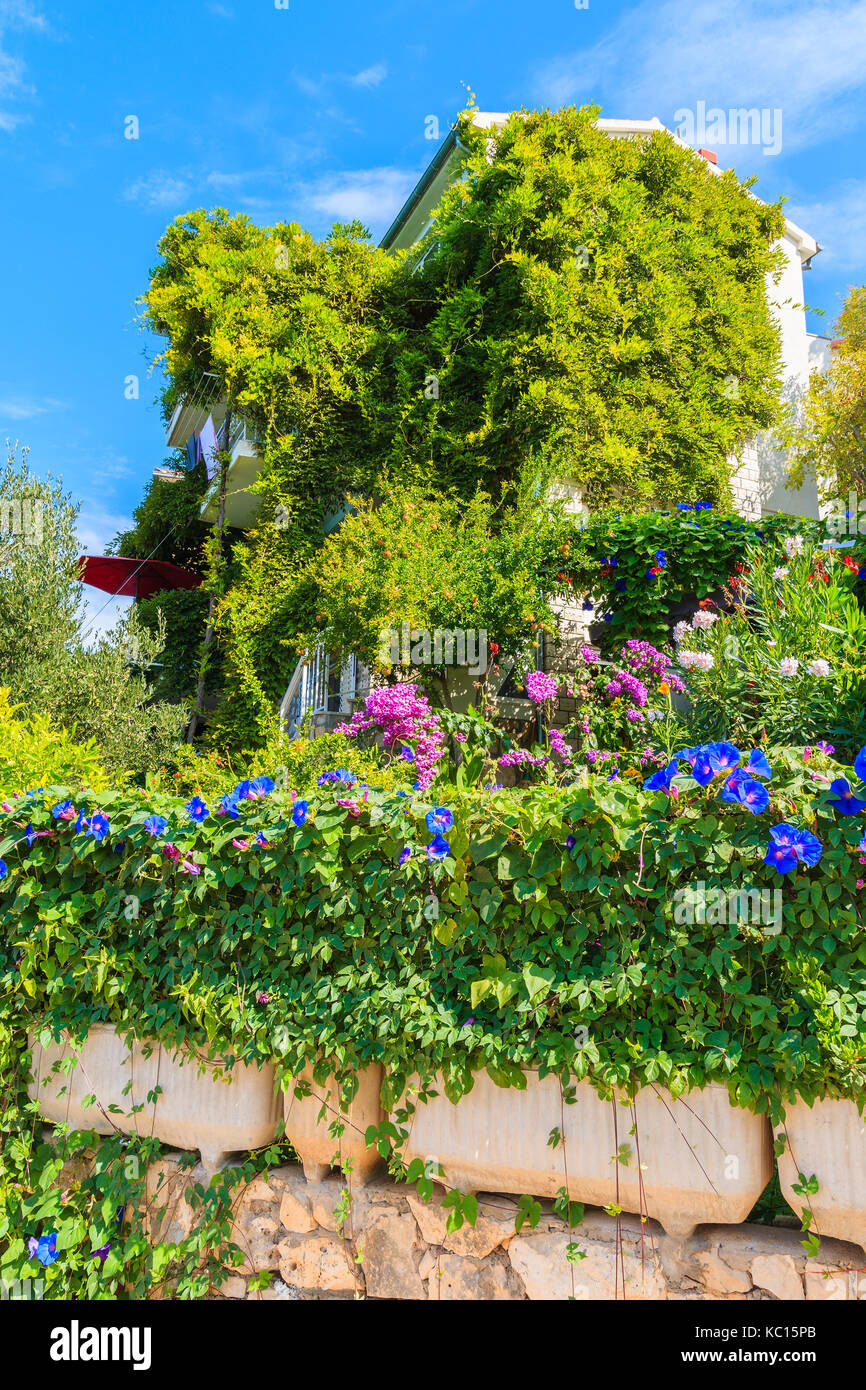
column 316, row 112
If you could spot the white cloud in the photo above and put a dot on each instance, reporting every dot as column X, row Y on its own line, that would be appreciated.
column 370, row 77
column 26, row 408
column 160, row 189
column 371, row 195
column 807, row 59
column 836, row 220
column 15, row 15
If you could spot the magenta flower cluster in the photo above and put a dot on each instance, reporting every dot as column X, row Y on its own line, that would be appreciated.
column 541, row 687
column 650, row 663
column 402, row 716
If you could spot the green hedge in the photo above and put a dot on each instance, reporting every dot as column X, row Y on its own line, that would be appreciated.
column 536, row 950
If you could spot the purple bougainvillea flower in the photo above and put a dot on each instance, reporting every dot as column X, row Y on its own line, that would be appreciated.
column 826, row 749
column 262, row 997
column 751, row 794
column 155, row 825
column 64, row 810
column 439, row 819
column 189, row 867
column 844, row 800
column 197, row 810
column 44, row 1249
column 299, row 812
column 99, row 826
column 722, row 757
column 438, row 847
column 171, row 851
column 405, row 853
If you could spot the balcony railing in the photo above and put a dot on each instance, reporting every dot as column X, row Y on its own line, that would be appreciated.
column 319, row 686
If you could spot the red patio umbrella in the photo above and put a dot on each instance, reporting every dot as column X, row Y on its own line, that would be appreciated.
column 125, row 578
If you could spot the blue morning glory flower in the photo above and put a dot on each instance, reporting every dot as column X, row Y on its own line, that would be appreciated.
column 660, row 781
column 99, row 826
column 262, row 786
column 722, row 756
column 44, row 1249
column 845, row 801
column 860, row 764
column 440, row 818
column 64, row 810
column 702, row 769
column 405, row 853
column 155, row 825
column 260, row 839
column 81, row 824
column 661, row 558
column 228, row 806
column 3, row 869
column 407, row 754
column 29, row 833
column 197, row 810
column 752, row 795
column 807, row 848
column 758, row 766
column 729, row 789
column 438, row 847
column 299, row 813
column 570, row 842
column 683, row 507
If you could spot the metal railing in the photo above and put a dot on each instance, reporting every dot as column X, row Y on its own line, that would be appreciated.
column 319, row 686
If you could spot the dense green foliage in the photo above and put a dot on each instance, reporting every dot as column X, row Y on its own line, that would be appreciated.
column 827, row 434
column 96, row 688
column 700, row 549
column 319, row 943
column 581, row 315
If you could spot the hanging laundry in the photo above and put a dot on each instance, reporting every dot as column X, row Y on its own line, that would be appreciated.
column 209, row 446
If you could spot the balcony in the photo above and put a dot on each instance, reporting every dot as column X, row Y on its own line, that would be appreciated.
column 246, row 460
column 191, row 412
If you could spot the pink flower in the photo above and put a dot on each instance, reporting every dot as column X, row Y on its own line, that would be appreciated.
column 171, row 851
column 458, row 737
column 540, row 687
column 262, row 997
column 403, row 716
column 190, row 868
column 351, row 806
column 241, row 844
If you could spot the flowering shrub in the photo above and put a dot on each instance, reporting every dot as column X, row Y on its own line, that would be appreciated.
column 404, row 718
column 501, row 930
column 647, row 563
column 786, row 662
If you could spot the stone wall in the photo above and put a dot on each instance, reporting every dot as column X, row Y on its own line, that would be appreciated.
column 288, row 1226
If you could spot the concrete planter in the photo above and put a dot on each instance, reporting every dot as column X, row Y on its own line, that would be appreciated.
column 319, row 1151
column 827, row 1140
column 212, row 1110
column 689, row 1161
